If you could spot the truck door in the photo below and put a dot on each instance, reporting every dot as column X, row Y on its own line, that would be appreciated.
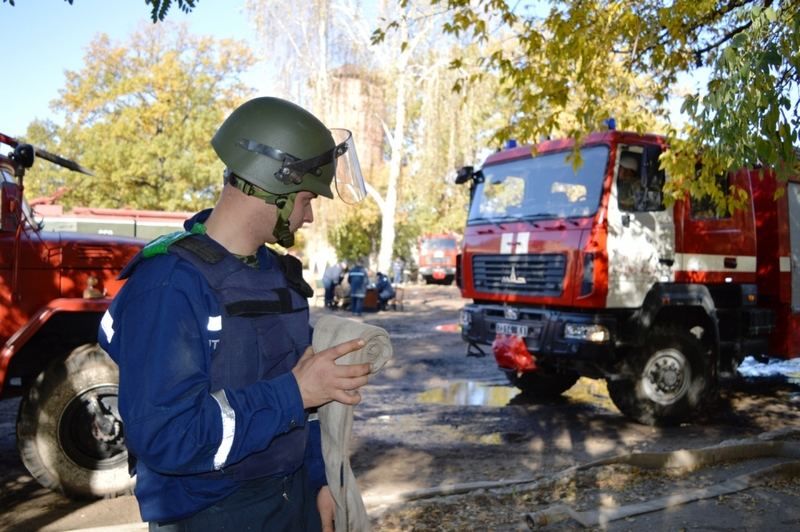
column 793, row 191
column 641, row 230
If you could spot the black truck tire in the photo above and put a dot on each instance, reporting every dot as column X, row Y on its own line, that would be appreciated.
column 69, row 432
column 666, row 382
column 542, row 384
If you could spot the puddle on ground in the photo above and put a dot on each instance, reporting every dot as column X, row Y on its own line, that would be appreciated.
column 469, row 393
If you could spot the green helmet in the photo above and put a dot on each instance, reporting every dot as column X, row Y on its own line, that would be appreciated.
column 277, row 146
column 273, row 149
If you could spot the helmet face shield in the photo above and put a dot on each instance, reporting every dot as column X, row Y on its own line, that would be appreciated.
column 348, row 177
column 282, row 148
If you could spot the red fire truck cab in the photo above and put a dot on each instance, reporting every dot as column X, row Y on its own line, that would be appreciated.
column 586, row 272
column 54, row 289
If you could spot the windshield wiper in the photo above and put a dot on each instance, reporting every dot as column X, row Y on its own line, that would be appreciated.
column 484, row 220
column 532, row 219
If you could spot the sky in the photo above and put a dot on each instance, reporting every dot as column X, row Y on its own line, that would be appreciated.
column 44, row 38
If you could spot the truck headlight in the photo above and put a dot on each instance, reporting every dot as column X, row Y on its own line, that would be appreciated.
column 590, row 332
column 465, row 318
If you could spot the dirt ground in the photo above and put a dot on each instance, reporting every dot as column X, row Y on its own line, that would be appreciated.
column 441, row 442
column 447, row 420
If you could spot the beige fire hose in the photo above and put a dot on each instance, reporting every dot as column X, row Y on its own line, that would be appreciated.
column 336, row 419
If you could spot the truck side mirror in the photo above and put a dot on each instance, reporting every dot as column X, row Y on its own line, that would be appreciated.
column 23, row 155
column 10, row 202
column 464, row 174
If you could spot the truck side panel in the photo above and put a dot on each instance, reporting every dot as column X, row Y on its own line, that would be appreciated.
column 778, row 229
column 716, row 249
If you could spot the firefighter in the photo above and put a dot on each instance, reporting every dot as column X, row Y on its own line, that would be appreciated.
column 331, row 278
column 385, row 290
column 358, row 280
column 211, row 336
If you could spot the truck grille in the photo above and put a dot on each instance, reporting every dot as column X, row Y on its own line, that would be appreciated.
column 529, row 275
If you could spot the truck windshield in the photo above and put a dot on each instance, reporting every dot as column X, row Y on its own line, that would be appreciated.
column 438, row 243
column 545, row 186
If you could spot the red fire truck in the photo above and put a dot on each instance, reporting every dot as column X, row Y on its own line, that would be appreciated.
column 437, row 258
column 587, row 273
column 54, row 289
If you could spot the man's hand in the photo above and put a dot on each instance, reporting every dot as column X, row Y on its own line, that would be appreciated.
column 320, row 380
column 327, row 509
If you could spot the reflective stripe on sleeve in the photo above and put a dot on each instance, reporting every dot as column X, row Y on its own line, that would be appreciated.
column 107, row 324
column 228, row 428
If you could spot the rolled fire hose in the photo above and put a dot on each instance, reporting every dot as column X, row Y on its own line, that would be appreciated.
column 336, row 419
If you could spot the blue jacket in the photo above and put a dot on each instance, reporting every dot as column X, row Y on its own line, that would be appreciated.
column 358, row 281
column 384, row 288
column 205, row 346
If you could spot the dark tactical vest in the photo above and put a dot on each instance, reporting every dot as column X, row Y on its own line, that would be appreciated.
column 265, row 329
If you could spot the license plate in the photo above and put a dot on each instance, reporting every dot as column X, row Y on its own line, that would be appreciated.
column 512, row 328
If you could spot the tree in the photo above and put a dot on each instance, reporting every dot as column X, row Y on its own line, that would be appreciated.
column 402, row 85
column 353, row 237
column 584, row 53
column 426, row 131
column 158, row 8
column 308, row 58
column 141, row 117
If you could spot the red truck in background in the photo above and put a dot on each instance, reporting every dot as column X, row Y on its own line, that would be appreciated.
column 587, row 273
column 144, row 224
column 54, row 289
column 437, row 258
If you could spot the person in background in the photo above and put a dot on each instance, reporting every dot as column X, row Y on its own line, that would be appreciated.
column 357, row 278
column 397, row 270
column 332, row 277
column 385, row 291
column 212, row 339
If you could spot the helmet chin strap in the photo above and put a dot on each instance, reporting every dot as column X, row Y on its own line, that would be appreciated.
column 285, row 205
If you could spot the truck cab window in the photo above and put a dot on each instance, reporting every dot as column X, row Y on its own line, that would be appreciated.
column 640, row 180
column 651, row 193
column 629, row 181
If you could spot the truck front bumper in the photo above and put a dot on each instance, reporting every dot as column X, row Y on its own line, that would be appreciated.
column 552, row 337
column 437, row 272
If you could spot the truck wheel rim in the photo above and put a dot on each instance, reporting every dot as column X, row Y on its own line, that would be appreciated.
column 666, row 376
column 90, row 429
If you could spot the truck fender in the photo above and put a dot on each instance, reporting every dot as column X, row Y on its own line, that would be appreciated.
column 676, row 300
column 20, row 338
